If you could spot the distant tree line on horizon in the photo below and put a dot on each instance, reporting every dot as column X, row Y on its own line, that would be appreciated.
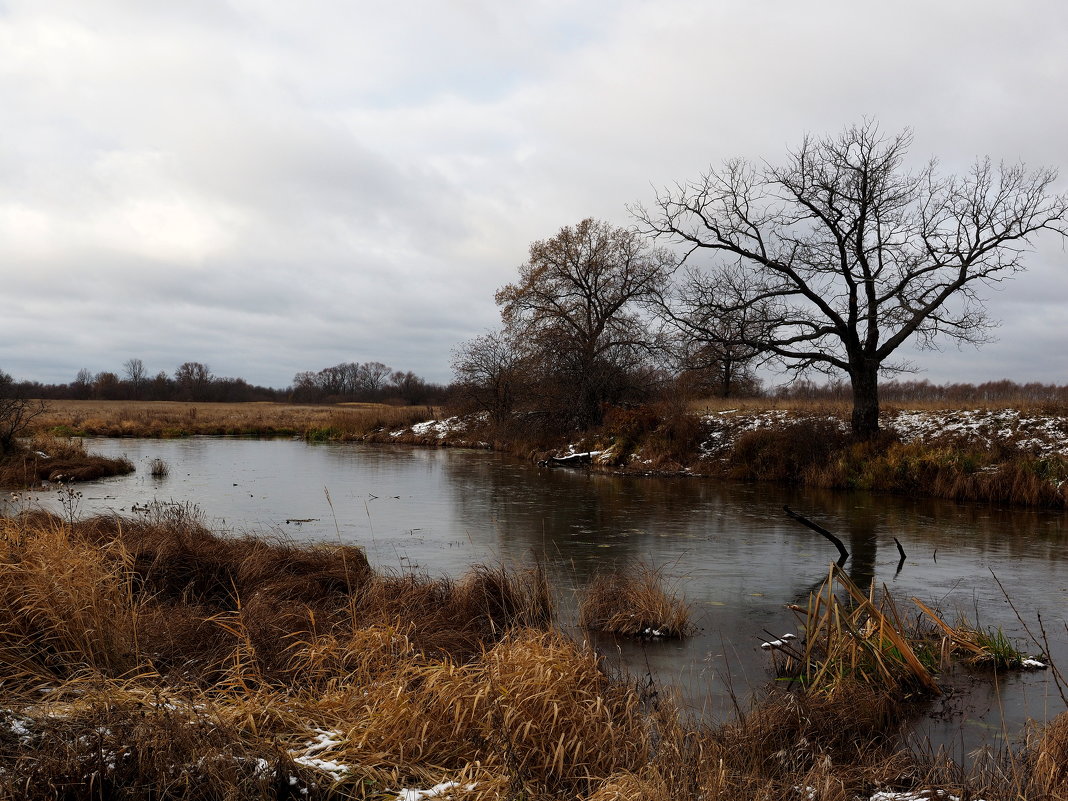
column 375, row 382
column 904, row 392
column 367, row 382
column 195, row 382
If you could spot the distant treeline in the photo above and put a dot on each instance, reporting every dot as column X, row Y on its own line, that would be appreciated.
column 194, row 381
column 368, row 382
column 1003, row 391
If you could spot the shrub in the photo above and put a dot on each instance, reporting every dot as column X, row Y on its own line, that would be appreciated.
column 665, row 434
column 788, row 454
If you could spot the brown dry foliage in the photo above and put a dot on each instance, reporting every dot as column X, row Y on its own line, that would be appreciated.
column 946, row 467
column 149, row 659
column 634, row 603
column 64, row 461
column 1049, row 760
column 788, row 454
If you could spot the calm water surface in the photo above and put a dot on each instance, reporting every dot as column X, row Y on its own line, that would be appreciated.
column 729, row 548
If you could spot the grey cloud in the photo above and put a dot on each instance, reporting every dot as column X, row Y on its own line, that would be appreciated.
column 268, row 190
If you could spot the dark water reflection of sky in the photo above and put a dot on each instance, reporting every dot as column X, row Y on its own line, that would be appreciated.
column 729, row 548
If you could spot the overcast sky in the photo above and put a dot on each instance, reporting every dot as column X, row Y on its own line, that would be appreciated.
column 269, row 186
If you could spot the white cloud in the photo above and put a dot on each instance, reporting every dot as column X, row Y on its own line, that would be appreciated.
column 268, row 188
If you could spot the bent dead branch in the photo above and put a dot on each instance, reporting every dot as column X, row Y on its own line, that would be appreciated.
column 804, row 521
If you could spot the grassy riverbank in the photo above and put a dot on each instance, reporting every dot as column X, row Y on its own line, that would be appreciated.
column 59, row 460
column 146, row 658
column 168, row 419
column 1003, row 454
column 1008, row 455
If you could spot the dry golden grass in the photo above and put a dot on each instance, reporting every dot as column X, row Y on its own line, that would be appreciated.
column 634, row 603
column 175, row 419
column 850, row 640
column 61, row 614
column 149, row 659
column 57, row 459
column 1050, row 760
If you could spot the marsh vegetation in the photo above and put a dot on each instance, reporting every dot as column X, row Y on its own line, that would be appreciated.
column 147, row 657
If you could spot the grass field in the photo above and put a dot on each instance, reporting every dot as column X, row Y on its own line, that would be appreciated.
column 174, row 419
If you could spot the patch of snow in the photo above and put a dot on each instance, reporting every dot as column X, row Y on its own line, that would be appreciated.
column 20, row 726
column 438, row 428
column 261, row 768
column 914, row 795
column 323, row 740
column 436, row 790
column 1034, row 664
column 335, row 770
column 779, row 643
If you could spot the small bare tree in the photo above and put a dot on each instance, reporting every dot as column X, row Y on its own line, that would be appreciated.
column 576, row 308
column 845, row 254
column 706, row 337
column 133, row 370
column 372, row 377
column 193, row 380
column 17, row 412
column 489, row 374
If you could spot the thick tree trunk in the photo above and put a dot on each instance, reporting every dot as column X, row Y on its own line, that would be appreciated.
column 865, row 420
column 726, row 386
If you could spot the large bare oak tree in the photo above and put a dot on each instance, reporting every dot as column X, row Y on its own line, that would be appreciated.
column 841, row 254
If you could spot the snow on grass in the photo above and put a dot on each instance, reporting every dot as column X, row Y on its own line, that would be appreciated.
column 1042, row 435
column 435, row 428
column 436, row 790
column 914, row 795
column 19, row 725
column 723, row 428
column 323, row 740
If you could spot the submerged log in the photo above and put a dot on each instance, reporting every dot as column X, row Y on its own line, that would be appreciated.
column 570, row 460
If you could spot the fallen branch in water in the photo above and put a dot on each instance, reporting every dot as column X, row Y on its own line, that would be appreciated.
column 820, row 530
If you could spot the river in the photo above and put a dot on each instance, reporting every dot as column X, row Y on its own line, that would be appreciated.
column 728, row 548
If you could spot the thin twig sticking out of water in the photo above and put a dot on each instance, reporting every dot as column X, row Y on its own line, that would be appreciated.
column 333, row 514
column 1058, row 678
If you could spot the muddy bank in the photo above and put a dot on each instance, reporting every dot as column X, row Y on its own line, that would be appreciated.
column 58, row 461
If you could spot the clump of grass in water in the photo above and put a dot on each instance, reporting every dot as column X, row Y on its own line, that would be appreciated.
column 159, row 468
column 634, row 604
column 982, row 647
column 854, row 640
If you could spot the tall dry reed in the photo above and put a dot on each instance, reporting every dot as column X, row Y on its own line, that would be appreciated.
column 147, row 658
